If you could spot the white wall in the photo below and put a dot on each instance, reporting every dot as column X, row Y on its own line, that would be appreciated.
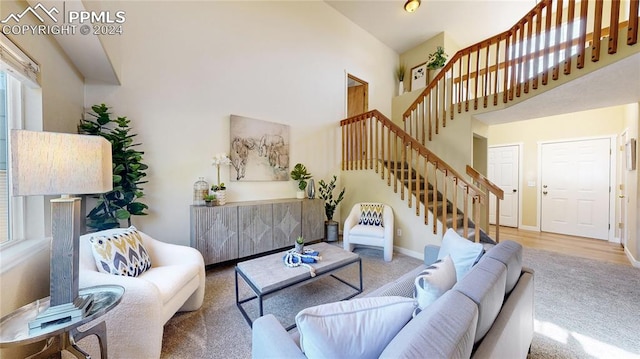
column 186, row 66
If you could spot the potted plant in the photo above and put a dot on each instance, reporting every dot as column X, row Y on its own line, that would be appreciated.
column 220, row 189
column 300, row 245
column 209, row 200
column 122, row 202
column 300, row 174
column 436, row 61
column 400, row 70
column 330, row 204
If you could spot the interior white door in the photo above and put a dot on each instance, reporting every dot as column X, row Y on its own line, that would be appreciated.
column 503, row 170
column 576, row 188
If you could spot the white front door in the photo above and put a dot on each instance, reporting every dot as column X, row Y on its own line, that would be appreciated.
column 575, row 188
column 503, row 170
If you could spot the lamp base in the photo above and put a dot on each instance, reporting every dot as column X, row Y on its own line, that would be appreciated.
column 61, row 313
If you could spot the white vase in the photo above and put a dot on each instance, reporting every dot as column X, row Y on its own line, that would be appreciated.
column 300, row 194
column 221, row 197
column 400, row 88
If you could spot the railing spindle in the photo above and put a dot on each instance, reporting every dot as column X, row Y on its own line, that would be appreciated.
column 632, row 27
column 570, row 25
column 597, row 31
column 613, row 25
column 582, row 35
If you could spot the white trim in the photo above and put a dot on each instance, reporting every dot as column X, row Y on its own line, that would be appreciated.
column 16, row 252
column 15, row 120
column 530, row 228
column 408, row 252
column 634, row 262
column 17, row 63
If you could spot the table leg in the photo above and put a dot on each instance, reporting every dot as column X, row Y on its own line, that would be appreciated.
column 99, row 330
column 52, row 349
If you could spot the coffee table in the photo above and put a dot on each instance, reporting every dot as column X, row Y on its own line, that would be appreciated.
column 268, row 275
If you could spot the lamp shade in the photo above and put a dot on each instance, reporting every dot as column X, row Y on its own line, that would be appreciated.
column 48, row 163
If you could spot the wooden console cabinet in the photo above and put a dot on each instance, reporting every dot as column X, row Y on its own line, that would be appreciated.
column 241, row 229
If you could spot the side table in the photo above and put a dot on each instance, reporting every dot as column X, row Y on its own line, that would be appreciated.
column 14, row 327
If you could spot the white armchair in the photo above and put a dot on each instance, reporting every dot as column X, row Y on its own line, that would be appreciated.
column 175, row 282
column 354, row 234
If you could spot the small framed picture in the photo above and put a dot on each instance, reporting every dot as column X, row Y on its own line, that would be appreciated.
column 419, row 76
column 630, row 152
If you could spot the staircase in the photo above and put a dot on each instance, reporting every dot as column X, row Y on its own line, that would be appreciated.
column 547, row 44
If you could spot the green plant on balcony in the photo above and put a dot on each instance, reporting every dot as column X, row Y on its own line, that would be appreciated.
column 437, row 59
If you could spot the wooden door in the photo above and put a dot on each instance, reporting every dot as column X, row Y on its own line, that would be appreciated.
column 357, row 96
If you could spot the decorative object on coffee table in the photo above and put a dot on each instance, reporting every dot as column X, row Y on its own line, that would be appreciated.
column 330, row 204
column 300, row 174
column 300, row 244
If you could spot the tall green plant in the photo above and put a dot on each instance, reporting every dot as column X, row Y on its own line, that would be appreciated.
column 326, row 193
column 128, row 170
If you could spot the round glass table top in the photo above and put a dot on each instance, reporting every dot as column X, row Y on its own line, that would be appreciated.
column 14, row 327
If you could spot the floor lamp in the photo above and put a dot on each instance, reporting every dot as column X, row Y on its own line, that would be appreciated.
column 47, row 163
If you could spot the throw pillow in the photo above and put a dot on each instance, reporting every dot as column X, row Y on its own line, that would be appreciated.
column 463, row 252
column 433, row 282
column 120, row 253
column 371, row 214
column 358, row 328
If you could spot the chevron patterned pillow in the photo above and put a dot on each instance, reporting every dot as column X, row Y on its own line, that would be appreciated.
column 371, row 214
column 120, row 253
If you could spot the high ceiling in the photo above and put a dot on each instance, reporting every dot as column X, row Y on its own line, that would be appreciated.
column 466, row 22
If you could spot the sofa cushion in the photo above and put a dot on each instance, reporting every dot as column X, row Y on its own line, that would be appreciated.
column 445, row 329
column 120, row 252
column 170, row 279
column 485, row 285
column 367, row 231
column 510, row 254
column 433, row 282
column 371, row 214
column 463, row 252
column 358, row 328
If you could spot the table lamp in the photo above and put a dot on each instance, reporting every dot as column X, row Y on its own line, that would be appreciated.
column 47, row 163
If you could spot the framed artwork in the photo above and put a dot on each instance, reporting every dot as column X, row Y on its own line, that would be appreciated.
column 419, row 76
column 259, row 150
column 630, row 152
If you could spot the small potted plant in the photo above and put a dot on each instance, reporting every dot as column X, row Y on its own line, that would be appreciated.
column 300, row 245
column 209, row 200
column 436, row 61
column 220, row 189
column 300, row 174
column 330, row 204
column 400, row 70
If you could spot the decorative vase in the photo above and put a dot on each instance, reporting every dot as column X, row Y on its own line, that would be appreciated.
column 311, row 189
column 200, row 189
column 209, row 203
column 300, row 194
column 331, row 231
column 400, row 88
column 299, row 248
column 221, row 197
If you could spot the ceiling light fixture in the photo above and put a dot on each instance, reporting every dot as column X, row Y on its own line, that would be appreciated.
column 411, row 5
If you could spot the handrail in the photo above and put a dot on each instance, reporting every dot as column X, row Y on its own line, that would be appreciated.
column 519, row 59
column 371, row 138
column 493, row 189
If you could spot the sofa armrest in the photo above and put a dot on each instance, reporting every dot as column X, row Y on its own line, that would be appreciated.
column 430, row 254
column 271, row 340
column 165, row 254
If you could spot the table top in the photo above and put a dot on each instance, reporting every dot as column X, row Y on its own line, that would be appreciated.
column 14, row 327
column 269, row 273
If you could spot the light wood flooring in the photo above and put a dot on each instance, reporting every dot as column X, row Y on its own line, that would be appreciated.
column 569, row 245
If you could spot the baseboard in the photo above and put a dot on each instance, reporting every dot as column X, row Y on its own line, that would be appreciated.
column 615, row 240
column 410, row 253
column 529, row 228
column 634, row 262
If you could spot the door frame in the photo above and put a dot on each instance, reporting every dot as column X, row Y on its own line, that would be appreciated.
column 613, row 144
column 520, row 146
column 621, row 188
column 347, row 77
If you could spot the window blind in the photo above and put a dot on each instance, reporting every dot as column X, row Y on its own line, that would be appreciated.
column 17, row 63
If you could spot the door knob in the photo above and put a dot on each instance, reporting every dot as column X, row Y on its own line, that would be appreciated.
column 544, row 193
column 545, row 186
column 515, row 190
column 621, row 196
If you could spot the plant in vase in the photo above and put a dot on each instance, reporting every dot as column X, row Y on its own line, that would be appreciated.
column 400, row 70
column 436, row 61
column 330, row 204
column 209, row 200
column 219, row 189
column 300, row 244
column 300, row 174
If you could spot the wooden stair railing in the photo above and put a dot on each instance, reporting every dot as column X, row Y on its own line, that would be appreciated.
column 492, row 188
column 524, row 57
column 372, row 141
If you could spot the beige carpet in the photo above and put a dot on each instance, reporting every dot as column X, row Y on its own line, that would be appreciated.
column 584, row 308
